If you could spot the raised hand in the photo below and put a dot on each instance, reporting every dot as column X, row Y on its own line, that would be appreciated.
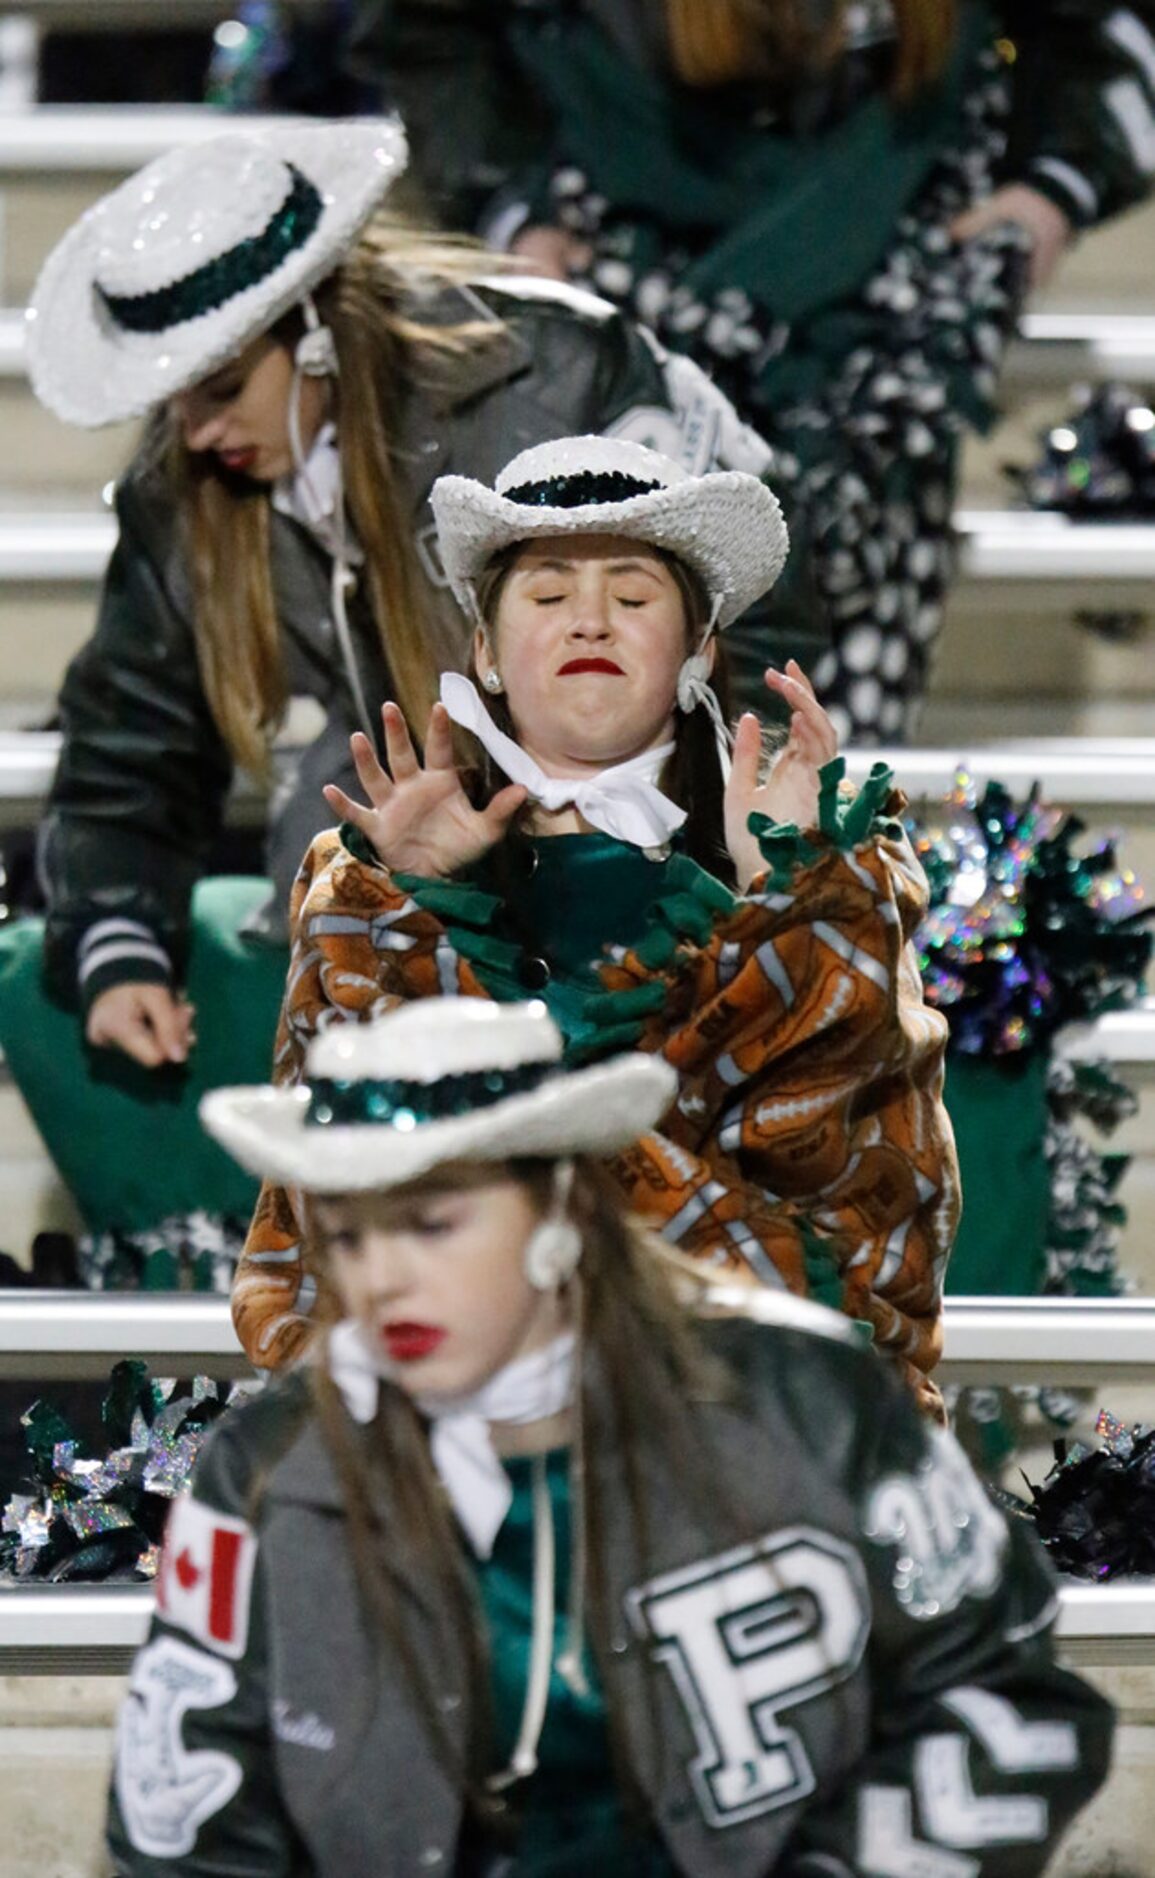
column 420, row 820
column 789, row 793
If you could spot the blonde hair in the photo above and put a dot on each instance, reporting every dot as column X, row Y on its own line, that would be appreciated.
column 718, row 42
column 383, row 346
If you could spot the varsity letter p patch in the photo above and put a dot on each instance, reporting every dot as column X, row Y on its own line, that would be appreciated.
column 747, row 1637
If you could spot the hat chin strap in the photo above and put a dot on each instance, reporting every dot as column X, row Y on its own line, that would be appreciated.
column 694, row 689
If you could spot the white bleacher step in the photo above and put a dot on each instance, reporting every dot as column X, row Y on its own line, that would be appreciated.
column 59, row 1630
column 1119, row 1036
column 112, row 16
column 1076, row 772
column 995, row 544
column 1052, row 348
column 1060, row 348
column 95, row 1629
column 81, row 1333
column 1108, row 773
column 1028, row 544
column 68, row 138
column 62, row 547
column 13, row 363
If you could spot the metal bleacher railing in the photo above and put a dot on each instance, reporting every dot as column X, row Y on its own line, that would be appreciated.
column 94, row 1629
column 995, row 544
column 58, row 1630
column 53, row 1334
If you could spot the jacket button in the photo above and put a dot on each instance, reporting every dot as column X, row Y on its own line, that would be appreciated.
column 448, row 1703
column 534, row 974
column 432, row 1855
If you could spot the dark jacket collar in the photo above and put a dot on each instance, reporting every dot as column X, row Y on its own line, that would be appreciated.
column 446, row 384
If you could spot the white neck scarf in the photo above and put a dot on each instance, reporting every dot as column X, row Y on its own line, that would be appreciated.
column 530, row 1389
column 623, row 801
column 312, row 494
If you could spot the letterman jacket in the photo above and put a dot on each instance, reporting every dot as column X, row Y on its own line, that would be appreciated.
column 862, row 1685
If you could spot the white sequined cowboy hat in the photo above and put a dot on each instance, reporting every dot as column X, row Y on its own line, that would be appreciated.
column 726, row 525
column 187, row 262
column 435, row 1081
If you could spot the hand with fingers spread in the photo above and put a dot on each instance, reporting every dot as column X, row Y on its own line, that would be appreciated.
column 419, row 819
column 790, row 792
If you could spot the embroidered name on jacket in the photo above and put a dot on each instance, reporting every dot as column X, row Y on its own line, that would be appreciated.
column 747, row 1636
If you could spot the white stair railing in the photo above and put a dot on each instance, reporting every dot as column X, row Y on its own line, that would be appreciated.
column 995, row 544
column 95, row 1629
column 113, row 139
column 1062, row 348
column 46, row 1334
column 1078, row 772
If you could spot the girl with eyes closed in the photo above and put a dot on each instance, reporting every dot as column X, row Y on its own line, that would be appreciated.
column 609, row 852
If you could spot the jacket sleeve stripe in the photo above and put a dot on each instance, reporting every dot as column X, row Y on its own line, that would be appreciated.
column 1128, row 32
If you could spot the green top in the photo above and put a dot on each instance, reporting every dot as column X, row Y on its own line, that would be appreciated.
column 575, row 895
column 539, row 915
column 537, row 918
column 570, row 1816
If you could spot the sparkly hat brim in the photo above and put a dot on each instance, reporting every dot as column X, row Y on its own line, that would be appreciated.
column 89, row 372
column 598, row 1110
column 727, row 526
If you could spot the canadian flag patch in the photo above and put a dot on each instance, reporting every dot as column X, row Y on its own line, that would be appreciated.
column 205, row 1578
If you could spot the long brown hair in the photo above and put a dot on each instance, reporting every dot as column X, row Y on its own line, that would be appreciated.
column 651, row 1372
column 382, row 345
column 716, row 42
column 692, row 778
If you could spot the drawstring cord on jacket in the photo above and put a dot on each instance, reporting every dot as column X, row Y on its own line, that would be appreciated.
column 523, row 1760
column 316, row 357
column 571, row 1659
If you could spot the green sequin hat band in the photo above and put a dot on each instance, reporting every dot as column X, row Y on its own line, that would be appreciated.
column 183, row 265
column 390, row 1103
column 576, row 492
column 436, row 1080
column 228, row 274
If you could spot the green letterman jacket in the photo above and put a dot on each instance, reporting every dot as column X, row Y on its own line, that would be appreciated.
column 854, row 1679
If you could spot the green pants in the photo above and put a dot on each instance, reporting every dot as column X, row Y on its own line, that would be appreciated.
column 126, row 1139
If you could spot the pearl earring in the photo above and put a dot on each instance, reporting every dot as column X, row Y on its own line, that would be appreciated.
column 492, row 681
column 554, row 1247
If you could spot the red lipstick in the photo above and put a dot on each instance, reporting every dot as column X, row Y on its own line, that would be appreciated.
column 408, row 1343
column 238, row 460
column 590, row 665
